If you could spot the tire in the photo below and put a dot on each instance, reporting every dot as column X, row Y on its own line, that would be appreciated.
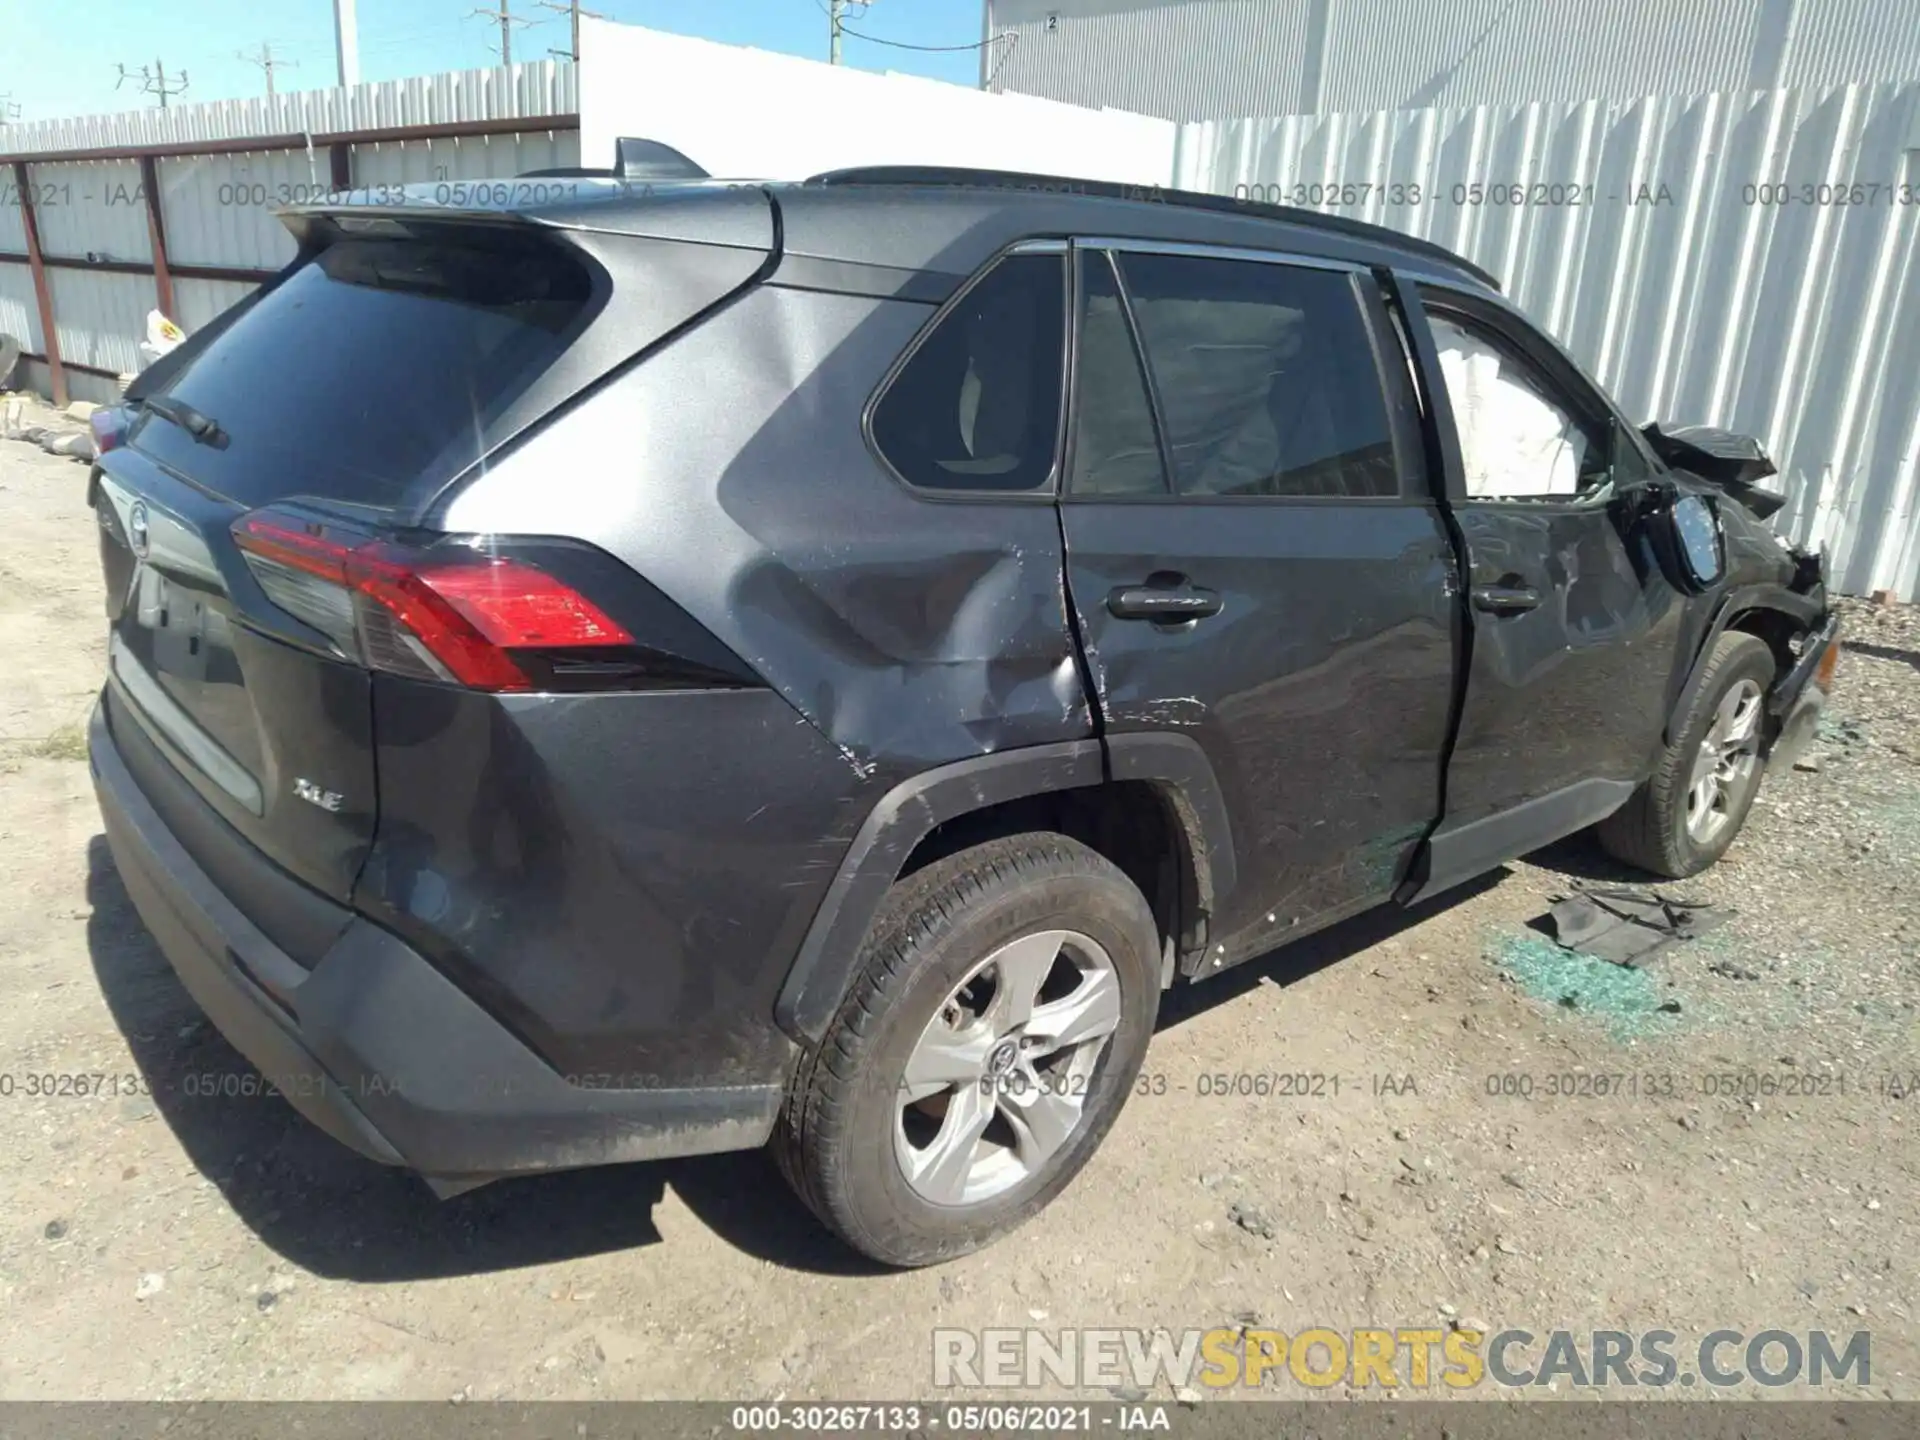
column 896, row 1175
column 1659, row 828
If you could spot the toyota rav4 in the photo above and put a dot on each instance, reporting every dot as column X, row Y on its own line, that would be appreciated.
column 600, row 672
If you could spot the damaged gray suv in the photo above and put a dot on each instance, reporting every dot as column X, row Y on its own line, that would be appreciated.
column 604, row 671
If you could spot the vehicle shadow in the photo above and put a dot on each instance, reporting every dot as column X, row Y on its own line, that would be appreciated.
column 1884, row 652
column 1293, row 962
column 335, row 1214
column 1579, row 857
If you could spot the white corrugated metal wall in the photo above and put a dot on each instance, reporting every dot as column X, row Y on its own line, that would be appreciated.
column 218, row 208
column 1650, row 237
column 1185, row 61
column 1219, row 59
column 1642, row 239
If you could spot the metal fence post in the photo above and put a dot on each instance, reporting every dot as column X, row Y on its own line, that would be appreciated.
column 157, row 235
column 42, row 295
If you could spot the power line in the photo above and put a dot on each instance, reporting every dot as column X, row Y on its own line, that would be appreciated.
column 903, row 45
column 507, row 21
column 154, row 81
column 835, row 11
column 264, row 59
column 836, row 25
column 999, row 62
column 573, row 12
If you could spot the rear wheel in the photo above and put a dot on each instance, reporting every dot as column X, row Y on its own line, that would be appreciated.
column 1688, row 812
column 999, row 1016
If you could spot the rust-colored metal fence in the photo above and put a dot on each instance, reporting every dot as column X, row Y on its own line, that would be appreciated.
column 65, row 213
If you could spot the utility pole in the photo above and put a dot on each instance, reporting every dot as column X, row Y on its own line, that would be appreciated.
column 266, row 62
column 573, row 12
column 836, row 24
column 506, row 21
column 9, row 109
column 153, row 81
column 346, row 42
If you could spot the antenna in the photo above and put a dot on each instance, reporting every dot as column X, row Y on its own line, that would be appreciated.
column 155, row 82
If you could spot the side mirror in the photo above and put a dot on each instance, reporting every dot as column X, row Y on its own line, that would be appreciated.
column 1702, row 547
column 1686, row 536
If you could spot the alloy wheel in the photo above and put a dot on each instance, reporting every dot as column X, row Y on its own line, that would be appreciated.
column 997, row 1083
column 1725, row 766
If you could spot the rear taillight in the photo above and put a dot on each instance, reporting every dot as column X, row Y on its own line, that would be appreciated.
column 451, row 612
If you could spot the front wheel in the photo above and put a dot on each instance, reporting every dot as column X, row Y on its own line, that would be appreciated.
column 999, row 1016
column 1688, row 812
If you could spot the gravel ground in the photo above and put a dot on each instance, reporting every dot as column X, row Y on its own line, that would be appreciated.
column 164, row 1243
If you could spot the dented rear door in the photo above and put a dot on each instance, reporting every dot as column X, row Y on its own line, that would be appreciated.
column 1255, row 562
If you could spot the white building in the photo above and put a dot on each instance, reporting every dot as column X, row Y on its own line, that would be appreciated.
column 1220, row 59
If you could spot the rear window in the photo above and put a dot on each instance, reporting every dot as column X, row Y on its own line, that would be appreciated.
column 377, row 364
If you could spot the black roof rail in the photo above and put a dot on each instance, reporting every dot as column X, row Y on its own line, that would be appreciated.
column 963, row 177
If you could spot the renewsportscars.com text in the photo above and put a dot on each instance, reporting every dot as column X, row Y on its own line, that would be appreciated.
column 1409, row 1358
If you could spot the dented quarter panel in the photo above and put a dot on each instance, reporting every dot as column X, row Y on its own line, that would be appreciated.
column 894, row 632
column 912, row 631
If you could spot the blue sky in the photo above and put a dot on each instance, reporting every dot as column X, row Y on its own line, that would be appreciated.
column 57, row 65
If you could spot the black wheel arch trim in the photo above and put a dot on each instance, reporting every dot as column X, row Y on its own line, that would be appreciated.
column 1807, row 611
column 822, row 968
column 1180, row 769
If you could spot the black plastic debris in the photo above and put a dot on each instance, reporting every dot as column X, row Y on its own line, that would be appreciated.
column 1735, row 463
column 1626, row 927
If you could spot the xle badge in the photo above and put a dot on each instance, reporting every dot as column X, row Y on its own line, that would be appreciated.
column 330, row 800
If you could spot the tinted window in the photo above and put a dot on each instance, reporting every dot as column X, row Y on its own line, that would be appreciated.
column 378, row 363
column 977, row 407
column 1266, row 377
column 1115, row 449
column 1519, row 437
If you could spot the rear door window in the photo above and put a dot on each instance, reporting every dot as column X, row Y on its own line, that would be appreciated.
column 1116, row 449
column 1267, row 377
column 977, row 406
column 379, row 363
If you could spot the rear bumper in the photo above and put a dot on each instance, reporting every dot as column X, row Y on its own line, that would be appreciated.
column 381, row 1050
column 1801, row 697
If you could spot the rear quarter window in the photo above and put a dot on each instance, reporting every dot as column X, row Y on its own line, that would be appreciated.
column 378, row 364
column 977, row 405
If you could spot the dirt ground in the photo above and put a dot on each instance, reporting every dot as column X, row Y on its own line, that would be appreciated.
column 166, row 1246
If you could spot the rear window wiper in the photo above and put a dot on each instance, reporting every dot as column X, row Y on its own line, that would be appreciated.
column 203, row 428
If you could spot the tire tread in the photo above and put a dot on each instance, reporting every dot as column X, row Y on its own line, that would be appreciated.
column 1644, row 832
column 911, row 916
